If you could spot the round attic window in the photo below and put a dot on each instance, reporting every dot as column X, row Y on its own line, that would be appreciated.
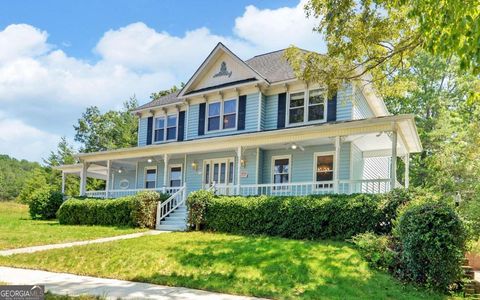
column 124, row 184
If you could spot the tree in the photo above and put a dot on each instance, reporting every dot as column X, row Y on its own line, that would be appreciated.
column 111, row 130
column 380, row 37
column 173, row 89
column 13, row 174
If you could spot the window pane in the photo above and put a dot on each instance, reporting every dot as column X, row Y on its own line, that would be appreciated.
column 214, row 123
column 297, row 99
column 176, row 173
column 324, row 170
column 316, row 96
column 223, row 170
column 159, row 135
column 229, row 121
column 215, row 172
column 159, row 123
column 150, row 184
column 229, row 106
column 172, row 121
column 316, row 112
column 214, row 109
column 175, row 183
column 296, row 115
column 230, row 173
column 207, row 173
column 172, row 133
column 281, row 165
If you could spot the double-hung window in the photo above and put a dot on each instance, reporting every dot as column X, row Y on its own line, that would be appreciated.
column 150, row 178
column 165, row 128
column 308, row 106
column 281, row 170
column 222, row 115
column 324, row 170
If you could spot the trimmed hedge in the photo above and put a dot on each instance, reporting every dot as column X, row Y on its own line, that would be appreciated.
column 309, row 217
column 44, row 203
column 135, row 211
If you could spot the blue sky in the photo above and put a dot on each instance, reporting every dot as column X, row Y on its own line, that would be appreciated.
column 59, row 57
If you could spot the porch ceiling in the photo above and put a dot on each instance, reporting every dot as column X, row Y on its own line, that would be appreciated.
column 321, row 133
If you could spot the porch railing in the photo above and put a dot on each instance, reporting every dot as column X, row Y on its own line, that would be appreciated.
column 372, row 186
column 166, row 207
column 129, row 192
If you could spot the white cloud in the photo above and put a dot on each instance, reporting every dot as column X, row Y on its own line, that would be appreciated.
column 43, row 90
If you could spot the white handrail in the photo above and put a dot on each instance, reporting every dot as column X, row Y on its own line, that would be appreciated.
column 166, row 207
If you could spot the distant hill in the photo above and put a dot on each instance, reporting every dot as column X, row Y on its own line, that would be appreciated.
column 13, row 173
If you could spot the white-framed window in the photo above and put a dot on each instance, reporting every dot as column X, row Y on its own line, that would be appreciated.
column 150, row 177
column 281, row 169
column 222, row 115
column 165, row 128
column 307, row 106
column 175, row 176
column 220, row 170
column 324, row 169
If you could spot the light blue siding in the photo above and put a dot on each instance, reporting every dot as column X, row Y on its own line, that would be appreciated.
column 344, row 103
column 250, row 168
column 357, row 162
column 361, row 109
column 251, row 112
column 192, row 129
column 302, row 164
column 271, row 112
column 128, row 175
column 142, row 131
column 263, row 112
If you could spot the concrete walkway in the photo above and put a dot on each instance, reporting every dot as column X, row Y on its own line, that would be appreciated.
column 63, row 284
column 79, row 243
column 477, row 276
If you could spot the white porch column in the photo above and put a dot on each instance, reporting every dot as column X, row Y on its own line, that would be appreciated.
column 337, row 164
column 165, row 170
column 108, row 184
column 393, row 166
column 239, row 165
column 407, row 170
column 83, row 179
column 63, row 182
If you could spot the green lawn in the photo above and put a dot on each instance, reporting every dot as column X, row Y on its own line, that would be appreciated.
column 18, row 230
column 259, row 266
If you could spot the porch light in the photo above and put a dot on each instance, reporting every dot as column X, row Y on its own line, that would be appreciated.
column 294, row 146
column 149, row 160
column 120, row 170
column 194, row 166
column 243, row 162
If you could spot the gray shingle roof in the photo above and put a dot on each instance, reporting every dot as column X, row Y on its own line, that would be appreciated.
column 272, row 66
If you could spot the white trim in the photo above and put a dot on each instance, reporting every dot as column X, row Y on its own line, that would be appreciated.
column 136, row 175
column 323, row 153
column 306, row 106
column 145, row 175
column 275, row 157
column 165, row 127
column 221, row 115
column 170, row 166
column 220, row 160
column 258, row 165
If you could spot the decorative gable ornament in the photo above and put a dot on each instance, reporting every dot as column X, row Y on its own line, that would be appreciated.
column 223, row 71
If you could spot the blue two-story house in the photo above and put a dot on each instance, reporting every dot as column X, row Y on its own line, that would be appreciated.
column 251, row 127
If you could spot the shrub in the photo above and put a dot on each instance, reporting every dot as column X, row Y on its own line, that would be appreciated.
column 44, row 203
column 145, row 208
column 432, row 238
column 197, row 203
column 376, row 249
column 470, row 211
column 309, row 217
column 137, row 211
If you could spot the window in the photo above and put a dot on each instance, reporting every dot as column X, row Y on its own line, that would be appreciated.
column 297, row 108
column 229, row 114
column 281, row 170
column 159, row 129
column 176, row 176
column 172, row 127
column 214, row 116
column 165, row 129
column 324, row 168
column 225, row 111
column 150, row 178
column 301, row 110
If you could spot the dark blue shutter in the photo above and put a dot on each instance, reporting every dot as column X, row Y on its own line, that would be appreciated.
column 149, row 130
column 332, row 109
column 201, row 119
column 181, row 125
column 242, row 107
column 282, row 110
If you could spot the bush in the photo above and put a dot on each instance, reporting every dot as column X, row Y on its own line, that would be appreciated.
column 44, row 203
column 470, row 211
column 197, row 203
column 376, row 249
column 135, row 211
column 432, row 239
column 309, row 217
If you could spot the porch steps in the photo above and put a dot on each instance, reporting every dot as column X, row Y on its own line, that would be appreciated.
column 175, row 221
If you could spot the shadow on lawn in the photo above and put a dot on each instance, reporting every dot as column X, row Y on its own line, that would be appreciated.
column 273, row 267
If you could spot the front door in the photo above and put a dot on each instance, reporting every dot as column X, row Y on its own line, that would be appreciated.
column 175, row 176
column 220, row 172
